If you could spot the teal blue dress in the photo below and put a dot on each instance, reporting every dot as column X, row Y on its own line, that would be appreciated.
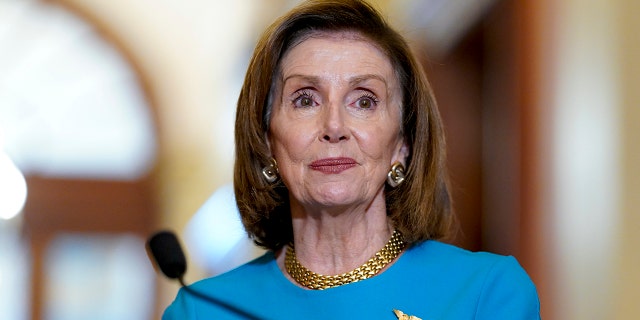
column 431, row 280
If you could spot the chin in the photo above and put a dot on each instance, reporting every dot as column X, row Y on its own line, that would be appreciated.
column 338, row 196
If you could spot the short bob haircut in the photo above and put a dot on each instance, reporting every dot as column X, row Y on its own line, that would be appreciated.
column 420, row 207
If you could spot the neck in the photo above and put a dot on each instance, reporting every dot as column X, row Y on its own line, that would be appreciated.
column 330, row 243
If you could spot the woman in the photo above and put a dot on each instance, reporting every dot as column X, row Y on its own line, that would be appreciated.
column 340, row 173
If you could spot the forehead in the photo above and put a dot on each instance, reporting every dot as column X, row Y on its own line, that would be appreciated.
column 326, row 51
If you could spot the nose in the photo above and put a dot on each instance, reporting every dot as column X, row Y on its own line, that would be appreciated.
column 334, row 128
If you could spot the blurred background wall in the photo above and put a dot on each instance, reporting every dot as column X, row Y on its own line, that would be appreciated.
column 119, row 116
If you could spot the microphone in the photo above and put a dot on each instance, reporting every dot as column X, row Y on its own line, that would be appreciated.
column 169, row 257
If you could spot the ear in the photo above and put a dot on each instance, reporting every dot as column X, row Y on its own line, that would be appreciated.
column 267, row 140
column 402, row 152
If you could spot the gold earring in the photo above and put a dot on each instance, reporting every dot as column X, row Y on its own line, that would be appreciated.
column 396, row 175
column 270, row 172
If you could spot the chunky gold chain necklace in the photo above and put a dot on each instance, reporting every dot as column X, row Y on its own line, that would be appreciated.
column 316, row 281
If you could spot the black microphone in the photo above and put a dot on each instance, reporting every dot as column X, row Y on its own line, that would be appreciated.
column 169, row 257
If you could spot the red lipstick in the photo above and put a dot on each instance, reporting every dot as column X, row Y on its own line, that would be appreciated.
column 333, row 165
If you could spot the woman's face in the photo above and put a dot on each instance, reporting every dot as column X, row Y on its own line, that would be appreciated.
column 335, row 122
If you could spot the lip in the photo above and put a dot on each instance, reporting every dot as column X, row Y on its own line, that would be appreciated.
column 333, row 165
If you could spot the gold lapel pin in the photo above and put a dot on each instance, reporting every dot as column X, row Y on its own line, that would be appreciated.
column 402, row 316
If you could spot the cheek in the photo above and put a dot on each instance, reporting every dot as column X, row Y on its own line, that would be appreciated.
column 379, row 142
column 289, row 144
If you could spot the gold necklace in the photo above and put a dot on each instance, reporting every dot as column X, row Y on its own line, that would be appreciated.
column 316, row 281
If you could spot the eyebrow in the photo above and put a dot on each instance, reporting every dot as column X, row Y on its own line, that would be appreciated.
column 311, row 79
column 362, row 78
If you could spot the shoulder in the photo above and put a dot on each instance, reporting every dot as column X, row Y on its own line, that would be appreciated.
column 442, row 251
column 442, row 259
column 499, row 284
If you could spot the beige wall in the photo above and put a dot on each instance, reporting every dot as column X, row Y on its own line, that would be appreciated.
column 175, row 50
column 627, row 274
column 595, row 179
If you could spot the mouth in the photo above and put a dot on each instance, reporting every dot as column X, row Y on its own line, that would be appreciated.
column 333, row 165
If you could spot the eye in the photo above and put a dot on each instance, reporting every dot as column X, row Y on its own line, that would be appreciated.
column 367, row 101
column 303, row 99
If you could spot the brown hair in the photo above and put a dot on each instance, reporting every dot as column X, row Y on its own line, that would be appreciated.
column 419, row 207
